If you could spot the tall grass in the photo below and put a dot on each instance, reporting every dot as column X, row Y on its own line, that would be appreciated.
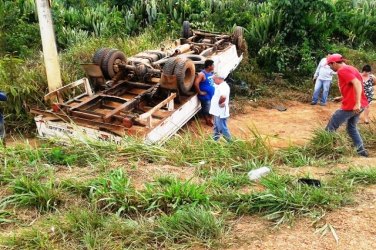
column 365, row 175
column 192, row 226
column 329, row 145
column 28, row 239
column 284, row 198
column 168, row 194
column 114, row 193
column 28, row 191
column 199, row 149
column 82, row 228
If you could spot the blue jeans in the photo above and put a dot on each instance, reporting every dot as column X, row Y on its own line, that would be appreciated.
column 220, row 127
column 341, row 116
column 205, row 107
column 325, row 85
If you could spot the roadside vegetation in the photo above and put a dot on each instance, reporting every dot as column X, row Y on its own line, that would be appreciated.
column 104, row 208
column 95, row 195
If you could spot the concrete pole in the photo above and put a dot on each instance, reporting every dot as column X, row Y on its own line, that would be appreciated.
column 51, row 58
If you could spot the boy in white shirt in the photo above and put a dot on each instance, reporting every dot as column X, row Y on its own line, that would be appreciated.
column 322, row 79
column 219, row 107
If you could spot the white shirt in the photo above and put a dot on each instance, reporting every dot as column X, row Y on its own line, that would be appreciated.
column 323, row 71
column 220, row 90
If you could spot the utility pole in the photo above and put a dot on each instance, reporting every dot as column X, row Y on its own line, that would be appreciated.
column 51, row 58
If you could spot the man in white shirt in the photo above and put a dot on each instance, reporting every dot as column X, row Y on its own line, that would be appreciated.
column 219, row 107
column 322, row 79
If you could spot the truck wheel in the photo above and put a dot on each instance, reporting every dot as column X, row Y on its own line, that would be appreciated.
column 169, row 66
column 238, row 37
column 198, row 61
column 186, row 30
column 185, row 75
column 111, row 62
column 99, row 55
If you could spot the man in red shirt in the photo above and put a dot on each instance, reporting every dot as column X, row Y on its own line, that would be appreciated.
column 353, row 100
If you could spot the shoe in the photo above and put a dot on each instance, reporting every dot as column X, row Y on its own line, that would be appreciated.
column 313, row 103
column 322, row 104
column 363, row 153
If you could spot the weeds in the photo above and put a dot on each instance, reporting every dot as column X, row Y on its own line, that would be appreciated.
column 190, row 225
column 5, row 217
column 368, row 133
column 198, row 149
column 169, row 194
column 114, row 193
column 328, row 145
column 29, row 239
column 285, row 198
column 32, row 192
column 296, row 157
column 224, row 179
column 361, row 175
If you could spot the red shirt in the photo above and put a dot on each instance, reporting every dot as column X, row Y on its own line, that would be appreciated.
column 345, row 75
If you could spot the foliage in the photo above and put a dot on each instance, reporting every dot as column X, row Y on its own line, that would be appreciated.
column 32, row 192
column 114, row 193
column 190, row 225
column 361, row 175
column 285, row 199
column 169, row 194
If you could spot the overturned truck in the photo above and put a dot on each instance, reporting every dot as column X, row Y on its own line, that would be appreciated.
column 148, row 95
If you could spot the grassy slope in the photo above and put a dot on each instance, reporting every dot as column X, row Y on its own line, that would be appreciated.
column 83, row 195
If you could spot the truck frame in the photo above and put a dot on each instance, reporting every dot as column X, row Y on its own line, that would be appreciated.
column 147, row 96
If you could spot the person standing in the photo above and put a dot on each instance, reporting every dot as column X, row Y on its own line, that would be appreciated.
column 219, row 108
column 322, row 79
column 354, row 101
column 205, row 89
column 369, row 80
column 3, row 97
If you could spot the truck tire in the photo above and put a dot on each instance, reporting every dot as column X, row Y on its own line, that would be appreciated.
column 186, row 33
column 198, row 61
column 238, row 37
column 99, row 55
column 169, row 66
column 111, row 61
column 185, row 75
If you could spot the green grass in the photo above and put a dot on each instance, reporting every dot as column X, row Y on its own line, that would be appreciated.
column 296, row 157
column 29, row 239
column 190, row 226
column 5, row 217
column 365, row 175
column 115, row 193
column 168, row 194
column 200, row 149
column 285, row 198
column 82, row 228
column 329, row 145
column 368, row 133
column 168, row 212
column 225, row 179
column 28, row 191
column 94, row 230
